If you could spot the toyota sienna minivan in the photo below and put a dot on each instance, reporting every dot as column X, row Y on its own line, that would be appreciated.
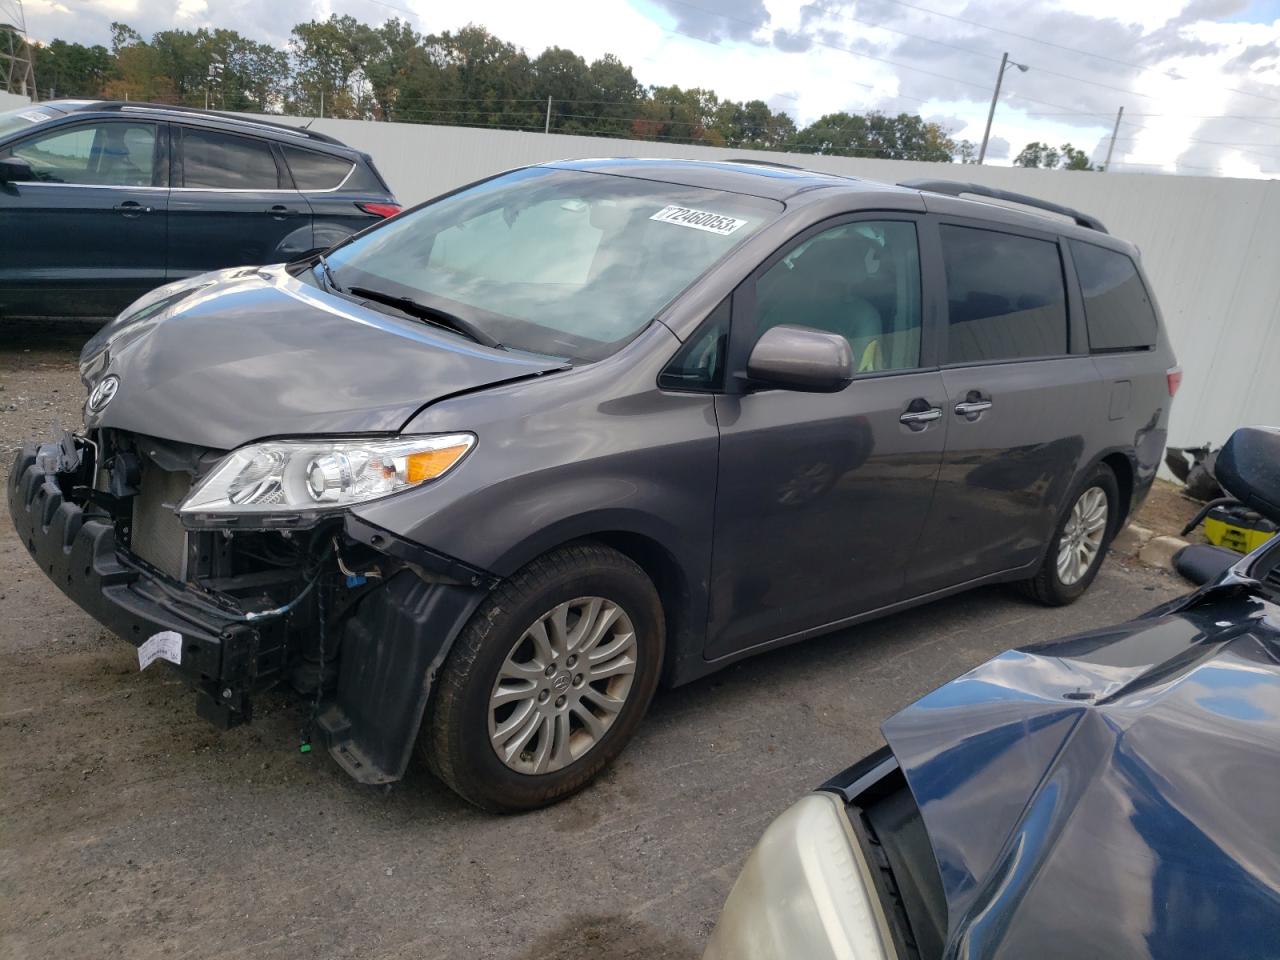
column 481, row 478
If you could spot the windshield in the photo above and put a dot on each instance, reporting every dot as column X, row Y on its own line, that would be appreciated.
column 11, row 121
column 557, row 262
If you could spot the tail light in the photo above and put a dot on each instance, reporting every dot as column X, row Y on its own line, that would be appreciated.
column 383, row 210
column 1174, row 376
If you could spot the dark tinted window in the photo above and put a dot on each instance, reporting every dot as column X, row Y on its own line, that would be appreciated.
column 1005, row 296
column 225, row 161
column 1117, row 310
column 860, row 280
column 315, row 171
column 700, row 363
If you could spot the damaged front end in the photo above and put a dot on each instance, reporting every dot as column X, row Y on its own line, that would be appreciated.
column 344, row 611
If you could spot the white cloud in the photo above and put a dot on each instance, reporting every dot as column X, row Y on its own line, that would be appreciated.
column 786, row 53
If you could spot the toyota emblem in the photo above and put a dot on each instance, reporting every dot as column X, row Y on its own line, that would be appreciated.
column 103, row 393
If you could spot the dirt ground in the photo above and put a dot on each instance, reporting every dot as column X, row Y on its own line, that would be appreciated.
column 129, row 828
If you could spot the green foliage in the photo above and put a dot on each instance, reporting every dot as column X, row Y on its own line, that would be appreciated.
column 875, row 135
column 1066, row 157
column 466, row 77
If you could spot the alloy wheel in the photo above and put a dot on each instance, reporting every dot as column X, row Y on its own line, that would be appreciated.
column 562, row 685
column 1082, row 536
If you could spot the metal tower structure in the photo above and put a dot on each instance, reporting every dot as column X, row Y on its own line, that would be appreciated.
column 17, row 55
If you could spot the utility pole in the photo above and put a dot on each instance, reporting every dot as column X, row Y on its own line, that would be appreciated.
column 1115, row 132
column 322, row 103
column 1005, row 64
column 547, row 126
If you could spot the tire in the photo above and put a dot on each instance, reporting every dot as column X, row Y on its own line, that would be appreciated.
column 496, row 655
column 1049, row 586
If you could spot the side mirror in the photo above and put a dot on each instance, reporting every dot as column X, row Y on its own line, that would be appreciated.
column 1248, row 468
column 801, row 358
column 14, row 169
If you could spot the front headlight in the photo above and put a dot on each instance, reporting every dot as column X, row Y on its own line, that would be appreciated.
column 320, row 475
column 805, row 891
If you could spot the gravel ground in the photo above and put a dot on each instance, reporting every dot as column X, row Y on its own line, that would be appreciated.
column 130, row 828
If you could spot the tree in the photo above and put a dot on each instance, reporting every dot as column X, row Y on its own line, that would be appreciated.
column 73, row 70
column 1066, row 157
column 966, row 152
column 904, row 137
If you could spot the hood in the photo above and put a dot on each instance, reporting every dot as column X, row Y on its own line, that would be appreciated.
column 1112, row 794
column 235, row 356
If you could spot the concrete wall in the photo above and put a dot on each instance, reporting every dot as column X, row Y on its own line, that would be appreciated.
column 11, row 101
column 1210, row 245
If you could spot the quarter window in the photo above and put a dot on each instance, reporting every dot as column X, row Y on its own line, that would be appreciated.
column 221, row 161
column 1117, row 309
column 1005, row 296
column 699, row 364
column 860, row 280
column 95, row 154
column 315, row 171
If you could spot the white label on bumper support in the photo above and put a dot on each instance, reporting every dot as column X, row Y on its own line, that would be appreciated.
column 165, row 645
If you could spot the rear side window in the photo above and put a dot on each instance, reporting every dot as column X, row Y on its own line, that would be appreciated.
column 1005, row 296
column 223, row 161
column 1117, row 309
column 316, row 171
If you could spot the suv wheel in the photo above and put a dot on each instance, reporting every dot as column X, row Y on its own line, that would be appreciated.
column 548, row 681
column 1080, row 541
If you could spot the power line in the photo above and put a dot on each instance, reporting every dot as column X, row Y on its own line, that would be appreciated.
column 1076, row 50
column 892, row 63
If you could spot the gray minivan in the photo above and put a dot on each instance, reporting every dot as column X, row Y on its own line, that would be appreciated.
column 482, row 477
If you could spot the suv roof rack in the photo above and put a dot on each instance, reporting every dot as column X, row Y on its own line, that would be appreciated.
column 123, row 105
column 763, row 163
column 955, row 188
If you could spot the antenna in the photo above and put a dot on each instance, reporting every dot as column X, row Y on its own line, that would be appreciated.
column 17, row 55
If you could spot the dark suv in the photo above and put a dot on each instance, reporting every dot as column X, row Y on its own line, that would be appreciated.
column 498, row 466
column 101, row 201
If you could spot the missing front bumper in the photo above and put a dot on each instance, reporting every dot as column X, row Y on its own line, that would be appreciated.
column 389, row 636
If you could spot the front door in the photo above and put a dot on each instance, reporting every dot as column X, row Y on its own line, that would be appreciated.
column 1021, row 391
column 87, row 235
column 234, row 205
column 821, row 497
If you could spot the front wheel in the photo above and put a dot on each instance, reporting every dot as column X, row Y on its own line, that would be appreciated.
column 548, row 681
column 1080, row 541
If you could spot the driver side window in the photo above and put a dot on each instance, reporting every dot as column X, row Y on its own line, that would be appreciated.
column 860, row 280
column 114, row 154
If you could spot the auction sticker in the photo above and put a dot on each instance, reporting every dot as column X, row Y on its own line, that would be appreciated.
column 35, row 116
column 165, row 645
column 698, row 219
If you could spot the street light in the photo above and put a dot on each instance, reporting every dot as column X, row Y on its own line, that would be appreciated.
column 1005, row 64
column 212, row 79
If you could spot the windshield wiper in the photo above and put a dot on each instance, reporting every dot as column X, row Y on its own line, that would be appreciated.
column 442, row 318
column 328, row 274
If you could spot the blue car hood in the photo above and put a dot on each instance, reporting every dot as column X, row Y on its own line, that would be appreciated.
column 1112, row 794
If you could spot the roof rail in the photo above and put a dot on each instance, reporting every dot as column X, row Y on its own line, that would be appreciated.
column 123, row 105
column 763, row 163
column 955, row 188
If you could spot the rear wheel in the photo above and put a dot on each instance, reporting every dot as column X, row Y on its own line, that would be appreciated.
column 548, row 681
column 1080, row 541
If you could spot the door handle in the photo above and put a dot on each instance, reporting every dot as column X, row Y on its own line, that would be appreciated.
column 131, row 209
column 281, row 212
column 919, row 419
column 972, row 409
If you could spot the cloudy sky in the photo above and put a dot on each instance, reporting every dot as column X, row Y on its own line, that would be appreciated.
column 1199, row 79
